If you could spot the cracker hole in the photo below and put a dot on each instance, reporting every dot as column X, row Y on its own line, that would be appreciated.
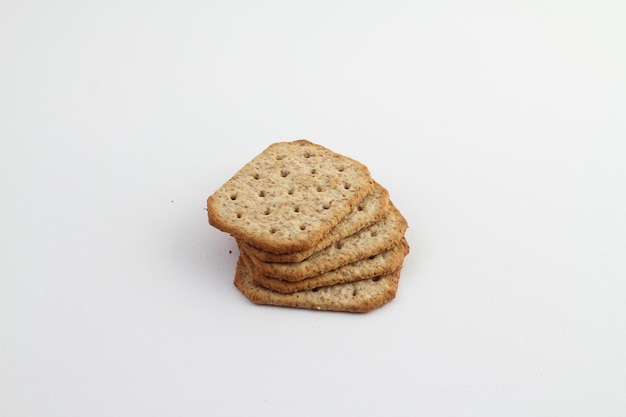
column 326, row 206
column 359, row 208
column 303, row 227
column 284, row 173
column 279, row 157
column 346, row 186
column 272, row 230
column 239, row 215
column 261, row 193
column 290, row 191
column 376, row 279
column 371, row 257
column 296, row 209
column 307, row 154
column 256, row 176
column 341, row 168
column 319, row 189
column 354, row 292
column 313, row 171
column 233, row 196
column 338, row 245
column 267, row 211
column 315, row 289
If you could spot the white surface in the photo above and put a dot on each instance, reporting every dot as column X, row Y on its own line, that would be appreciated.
column 498, row 130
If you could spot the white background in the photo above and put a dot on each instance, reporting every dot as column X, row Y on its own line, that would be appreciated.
column 498, row 129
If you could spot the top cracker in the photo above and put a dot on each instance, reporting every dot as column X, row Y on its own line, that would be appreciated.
column 289, row 196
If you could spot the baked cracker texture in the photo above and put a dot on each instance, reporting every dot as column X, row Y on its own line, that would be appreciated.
column 370, row 267
column 289, row 197
column 314, row 230
column 371, row 209
column 372, row 240
column 355, row 297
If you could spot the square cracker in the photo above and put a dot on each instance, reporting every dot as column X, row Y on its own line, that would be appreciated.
column 356, row 297
column 382, row 264
column 371, row 209
column 288, row 197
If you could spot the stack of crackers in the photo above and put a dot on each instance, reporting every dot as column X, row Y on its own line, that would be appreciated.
column 314, row 230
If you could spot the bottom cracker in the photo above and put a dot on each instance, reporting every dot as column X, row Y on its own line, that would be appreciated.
column 356, row 297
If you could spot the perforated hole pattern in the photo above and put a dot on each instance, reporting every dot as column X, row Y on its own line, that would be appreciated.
column 273, row 193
